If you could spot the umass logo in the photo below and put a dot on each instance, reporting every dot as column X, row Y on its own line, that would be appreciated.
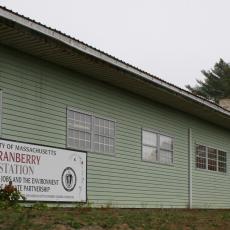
column 69, row 179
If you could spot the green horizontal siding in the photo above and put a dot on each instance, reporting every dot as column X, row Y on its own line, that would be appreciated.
column 35, row 97
column 210, row 188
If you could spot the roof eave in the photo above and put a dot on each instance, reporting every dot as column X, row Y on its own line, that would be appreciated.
column 105, row 58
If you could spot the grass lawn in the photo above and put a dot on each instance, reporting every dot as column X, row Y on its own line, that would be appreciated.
column 42, row 217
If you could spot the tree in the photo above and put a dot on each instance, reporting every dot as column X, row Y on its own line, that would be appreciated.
column 216, row 84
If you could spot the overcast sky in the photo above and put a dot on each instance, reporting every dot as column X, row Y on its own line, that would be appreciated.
column 172, row 39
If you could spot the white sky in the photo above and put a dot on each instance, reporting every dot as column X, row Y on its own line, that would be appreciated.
column 172, row 39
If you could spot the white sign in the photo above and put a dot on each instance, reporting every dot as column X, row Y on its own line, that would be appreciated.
column 42, row 173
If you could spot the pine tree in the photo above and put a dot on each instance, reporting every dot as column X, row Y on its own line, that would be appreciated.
column 216, row 84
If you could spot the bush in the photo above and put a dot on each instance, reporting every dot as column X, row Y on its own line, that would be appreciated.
column 10, row 195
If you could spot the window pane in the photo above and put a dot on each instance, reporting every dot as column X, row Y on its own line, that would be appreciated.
column 101, row 148
column 106, row 130
column 166, row 142
column 88, row 119
column 70, row 114
column 149, row 138
column 103, row 144
column 70, row 133
column 106, row 141
column 104, row 127
column 79, row 139
column 103, row 130
column 96, row 129
column 82, row 135
column 222, row 156
column 201, row 156
column 221, row 166
column 96, row 121
column 166, row 156
column 70, row 142
column 149, row 153
column 70, row 123
column 96, row 139
column 201, row 162
column 212, row 153
column 101, row 122
column 96, row 147
column 79, row 121
column 111, row 142
column 101, row 139
column 212, row 159
column 111, row 129
column 87, row 144
column 222, row 159
column 106, row 124
column 201, row 150
column 82, row 144
column 106, row 148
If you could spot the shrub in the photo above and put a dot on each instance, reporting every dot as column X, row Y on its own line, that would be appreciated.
column 10, row 195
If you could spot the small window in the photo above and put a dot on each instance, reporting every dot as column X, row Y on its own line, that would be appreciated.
column 210, row 158
column 90, row 133
column 157, row 147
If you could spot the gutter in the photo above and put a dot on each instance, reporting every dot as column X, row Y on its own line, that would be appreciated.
column 80, row 46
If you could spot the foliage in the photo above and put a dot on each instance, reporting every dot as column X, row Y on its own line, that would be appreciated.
column 9, row 195
column 30, row 218
column 216, row 84
column 40, row 206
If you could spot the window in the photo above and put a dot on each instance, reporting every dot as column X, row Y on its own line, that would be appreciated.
column 201, row 157
column 90, row 133
column 103, row 135
column 157, row 147
column 210, row 158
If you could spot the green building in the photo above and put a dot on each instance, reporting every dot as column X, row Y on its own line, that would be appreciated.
column 149, row 143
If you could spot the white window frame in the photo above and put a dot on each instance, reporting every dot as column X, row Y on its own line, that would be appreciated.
column 206, row 159
column 158, row 134
column 93, row 116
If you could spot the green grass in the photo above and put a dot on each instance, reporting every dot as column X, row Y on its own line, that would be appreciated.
column 41, row 217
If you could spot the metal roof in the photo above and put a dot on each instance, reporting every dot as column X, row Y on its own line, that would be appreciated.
column 22, row 33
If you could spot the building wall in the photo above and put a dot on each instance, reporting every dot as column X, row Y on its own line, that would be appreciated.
column 210, row 188
column 35, row 97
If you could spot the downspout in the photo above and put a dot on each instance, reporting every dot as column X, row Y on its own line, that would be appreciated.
column 190, row 166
